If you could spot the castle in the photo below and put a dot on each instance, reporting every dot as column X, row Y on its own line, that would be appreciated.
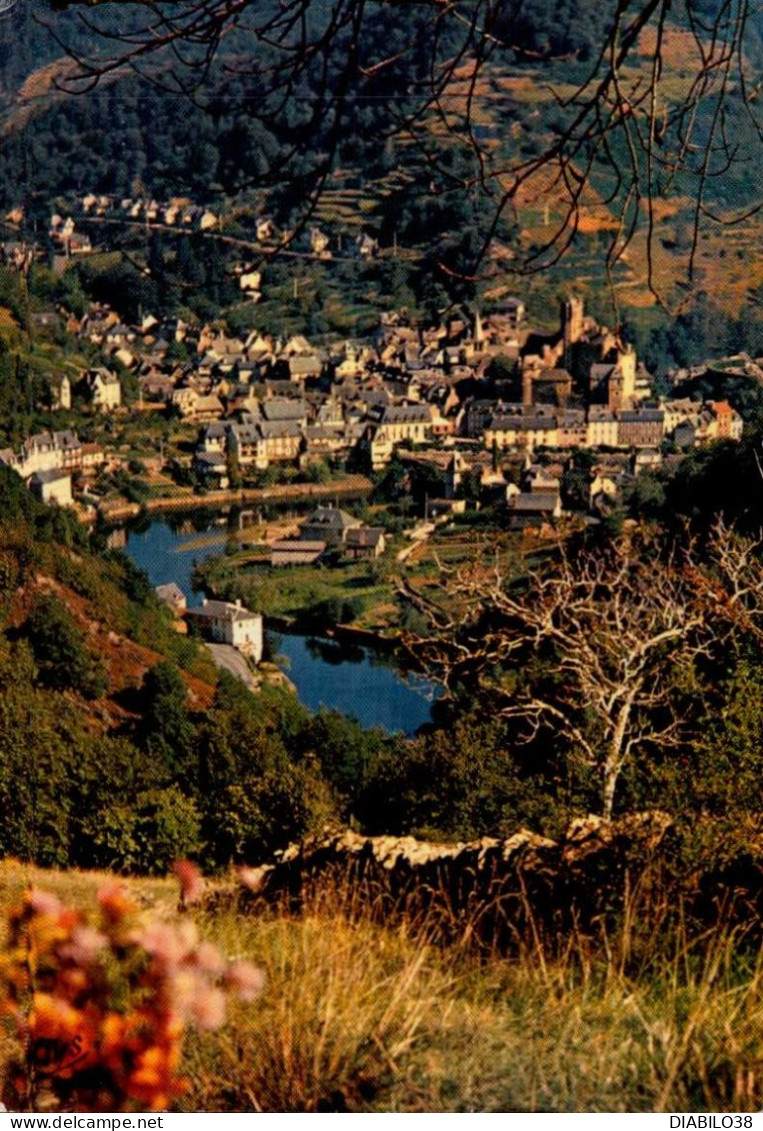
column 583, row 360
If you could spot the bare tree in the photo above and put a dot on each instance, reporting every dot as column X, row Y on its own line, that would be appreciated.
column 619, row 632
column 625, row 133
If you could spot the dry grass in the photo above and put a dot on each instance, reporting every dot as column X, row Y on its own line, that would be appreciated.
column 361, row 1017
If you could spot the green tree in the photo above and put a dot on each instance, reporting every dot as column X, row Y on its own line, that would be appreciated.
column 168, row 729
column 59, row 648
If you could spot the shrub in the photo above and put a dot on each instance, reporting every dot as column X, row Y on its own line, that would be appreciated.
column 62, row 657
column 102, row 1001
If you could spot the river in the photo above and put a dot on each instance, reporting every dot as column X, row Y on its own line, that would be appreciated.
column 350, row 679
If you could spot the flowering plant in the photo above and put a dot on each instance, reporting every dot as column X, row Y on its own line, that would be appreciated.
column 101, row 1003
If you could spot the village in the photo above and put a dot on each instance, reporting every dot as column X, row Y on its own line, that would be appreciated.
column 465, row 398
column 490, row 414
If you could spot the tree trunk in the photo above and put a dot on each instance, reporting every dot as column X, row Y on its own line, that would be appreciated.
column 611, row 774
column 613, row 763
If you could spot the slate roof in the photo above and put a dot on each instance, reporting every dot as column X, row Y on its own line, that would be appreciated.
column 537, row 502
column 364, row 537
column 332, row 518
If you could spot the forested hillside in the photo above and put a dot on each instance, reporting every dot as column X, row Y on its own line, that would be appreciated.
column 425, row 179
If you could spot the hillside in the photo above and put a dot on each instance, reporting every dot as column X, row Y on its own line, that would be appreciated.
column 128, row 137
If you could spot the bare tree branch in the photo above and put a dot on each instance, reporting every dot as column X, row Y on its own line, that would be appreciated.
column 621, row 126
column 613, row 632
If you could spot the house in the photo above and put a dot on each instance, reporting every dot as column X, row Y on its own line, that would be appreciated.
column 79, row 244
column 573, row 431
column 404, row 422
column 296, row 551
column 679, row 411
column 250, row 281
column 535, row 478
column 530, row 431
column 513, row 311
column 533, row 508
column 645, row 459
column 173, row 596
column 265, row 229
column 368, row 247
column 208, row 407
column 281, row 440
column 103, row 389
column 225, row 622
column 50, row 451
column 214, row 438
column 249, row 445
column 719, row 421
column 364, row 542
column 601, row 428
column 212, row 468
column 640, row 428
column 602, row 489
column 305, row 365
column 206, row 220
column 319, row 243
column 53, row 486
column 283, row 410
column 193, row 405
column 329, row 525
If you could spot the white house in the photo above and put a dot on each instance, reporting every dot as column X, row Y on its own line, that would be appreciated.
column 225, row 622
column 53, row 486
column 104, row 389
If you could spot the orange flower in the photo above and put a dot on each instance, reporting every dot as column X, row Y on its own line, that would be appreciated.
column 61, row 1038
column 54, row 1017
column 115, row 902
column 116, row 999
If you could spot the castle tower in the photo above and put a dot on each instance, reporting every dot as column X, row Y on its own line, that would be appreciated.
column 453, row 476
column 573, row 318
column 621, row 385
column 626, row 364
column 527, row 385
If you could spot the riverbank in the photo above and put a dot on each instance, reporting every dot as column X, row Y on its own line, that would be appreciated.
column 343, row 633
column 351, row 670
column 351, row 486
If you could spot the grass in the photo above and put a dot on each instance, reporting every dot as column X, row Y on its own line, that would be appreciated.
column 358, row 1016
column 289, row 590
column 364, row 1018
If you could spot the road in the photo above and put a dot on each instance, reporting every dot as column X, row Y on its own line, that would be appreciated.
column 229, row 659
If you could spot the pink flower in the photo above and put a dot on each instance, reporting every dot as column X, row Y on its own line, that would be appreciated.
column 84, row 946
column 208, row 1010
column 250, row 877
column 43, row 902
column 185, row 990
column 168, row 945
column 245, row 979
column 191, row 882
column 209, row 959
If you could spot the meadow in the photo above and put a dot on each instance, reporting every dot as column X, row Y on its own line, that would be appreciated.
column 356, row 1016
